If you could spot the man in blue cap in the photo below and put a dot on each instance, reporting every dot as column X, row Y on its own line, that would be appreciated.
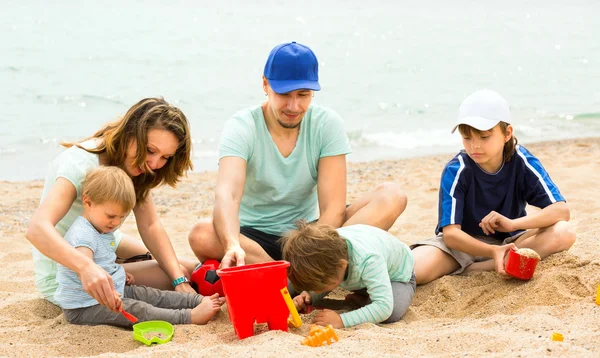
column 280, row 162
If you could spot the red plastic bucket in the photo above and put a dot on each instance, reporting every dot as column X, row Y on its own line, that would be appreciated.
column 253, row 294
column 519, row 266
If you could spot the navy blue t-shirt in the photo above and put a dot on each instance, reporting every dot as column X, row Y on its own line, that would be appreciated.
column 468, row 194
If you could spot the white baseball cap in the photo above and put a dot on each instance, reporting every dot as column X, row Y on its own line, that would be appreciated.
column 482, row 110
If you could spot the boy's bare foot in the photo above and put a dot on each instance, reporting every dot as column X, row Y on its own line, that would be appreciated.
column 357, row 300
column 207, row 308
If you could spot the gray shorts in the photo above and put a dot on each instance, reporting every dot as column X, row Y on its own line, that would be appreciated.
column 145, row 303
column 462, row 258
column 403, row 295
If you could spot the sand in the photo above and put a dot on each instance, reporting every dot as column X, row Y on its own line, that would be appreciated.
column 474, row 315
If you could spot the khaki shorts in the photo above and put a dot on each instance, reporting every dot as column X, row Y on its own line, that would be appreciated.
column 462, row 258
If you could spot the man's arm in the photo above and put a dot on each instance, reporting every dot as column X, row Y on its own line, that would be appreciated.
column 331, row 188
column 231, row 179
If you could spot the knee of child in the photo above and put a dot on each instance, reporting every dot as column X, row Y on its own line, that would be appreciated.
column 395, row 316
column 565, row 235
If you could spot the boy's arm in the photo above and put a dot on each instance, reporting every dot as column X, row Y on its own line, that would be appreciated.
column 548, row 216
column 316, row 297
column 86, row 251
column 457, row 239
column 379, row 287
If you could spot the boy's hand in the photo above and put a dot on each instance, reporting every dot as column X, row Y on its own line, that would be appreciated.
column 329, row 317
column 494, row 221
column 301, row 301
column 499, row 256
column 129, row 279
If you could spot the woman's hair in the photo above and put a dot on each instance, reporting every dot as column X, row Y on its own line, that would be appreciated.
column 109, row 184
column 509, row 147
column 314, row 252
column 144, row 116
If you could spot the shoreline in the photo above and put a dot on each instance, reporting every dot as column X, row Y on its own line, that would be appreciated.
column 423, row 152
column 474, row 315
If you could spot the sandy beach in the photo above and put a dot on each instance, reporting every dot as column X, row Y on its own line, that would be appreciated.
column 475, row 315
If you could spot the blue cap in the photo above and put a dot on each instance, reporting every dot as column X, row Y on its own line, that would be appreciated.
column 292, row 66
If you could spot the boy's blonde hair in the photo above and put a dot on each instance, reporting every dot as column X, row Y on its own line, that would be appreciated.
column 314, row 252
column 509, row 147
column 109, row 184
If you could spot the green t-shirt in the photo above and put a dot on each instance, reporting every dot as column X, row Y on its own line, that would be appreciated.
column 72, row 164
column 377, row 258
column 278, row 190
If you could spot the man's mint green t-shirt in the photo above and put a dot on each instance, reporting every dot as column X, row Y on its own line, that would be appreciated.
column 72, row 164
column 279, row 190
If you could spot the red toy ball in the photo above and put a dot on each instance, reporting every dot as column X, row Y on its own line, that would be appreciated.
column 205, row 279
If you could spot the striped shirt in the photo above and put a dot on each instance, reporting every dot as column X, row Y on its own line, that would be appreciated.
column 72, row 165
column 376, row 258
column 468, row 194
column 70, row 293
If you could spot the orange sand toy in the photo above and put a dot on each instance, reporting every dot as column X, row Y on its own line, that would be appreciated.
column 557, row 337
column 598, row 296
column 319, row 336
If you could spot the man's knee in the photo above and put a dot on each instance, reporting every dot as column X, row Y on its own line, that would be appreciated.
column 203, row 241
column 564, row 236
column 201, row 232
column 392, row 195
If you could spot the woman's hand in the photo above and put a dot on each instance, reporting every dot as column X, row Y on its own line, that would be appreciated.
column 185, row 287
column 301, row 301
column 328, row 317
column 98, row 284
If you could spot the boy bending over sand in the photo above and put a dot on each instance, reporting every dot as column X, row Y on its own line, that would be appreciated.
column 367, row 260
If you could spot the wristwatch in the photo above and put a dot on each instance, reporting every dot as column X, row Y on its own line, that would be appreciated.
column 179, row 281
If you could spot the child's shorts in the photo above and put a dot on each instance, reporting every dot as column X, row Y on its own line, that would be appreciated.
column 463, row 258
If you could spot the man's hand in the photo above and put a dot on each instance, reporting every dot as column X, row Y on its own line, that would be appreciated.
column 301, row 301
column 494, row 221
column 234, row 256
column 129, row 279
column 499, row 256
column 329, row 317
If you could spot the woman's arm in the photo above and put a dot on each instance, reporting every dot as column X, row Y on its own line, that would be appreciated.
column 157, row 241
column 43, row 235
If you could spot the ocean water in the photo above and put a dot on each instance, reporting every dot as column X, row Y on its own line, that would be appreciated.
column 396, row 71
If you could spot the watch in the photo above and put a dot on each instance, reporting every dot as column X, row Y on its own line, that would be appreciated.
column 179, row 281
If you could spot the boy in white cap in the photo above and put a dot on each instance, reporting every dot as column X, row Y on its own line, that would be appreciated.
column 484, row 190
column 282, row 161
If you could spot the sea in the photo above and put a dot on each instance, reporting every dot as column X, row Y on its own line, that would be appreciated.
column 396, row 71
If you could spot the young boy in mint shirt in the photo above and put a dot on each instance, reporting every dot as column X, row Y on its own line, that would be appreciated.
column 373, row 263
